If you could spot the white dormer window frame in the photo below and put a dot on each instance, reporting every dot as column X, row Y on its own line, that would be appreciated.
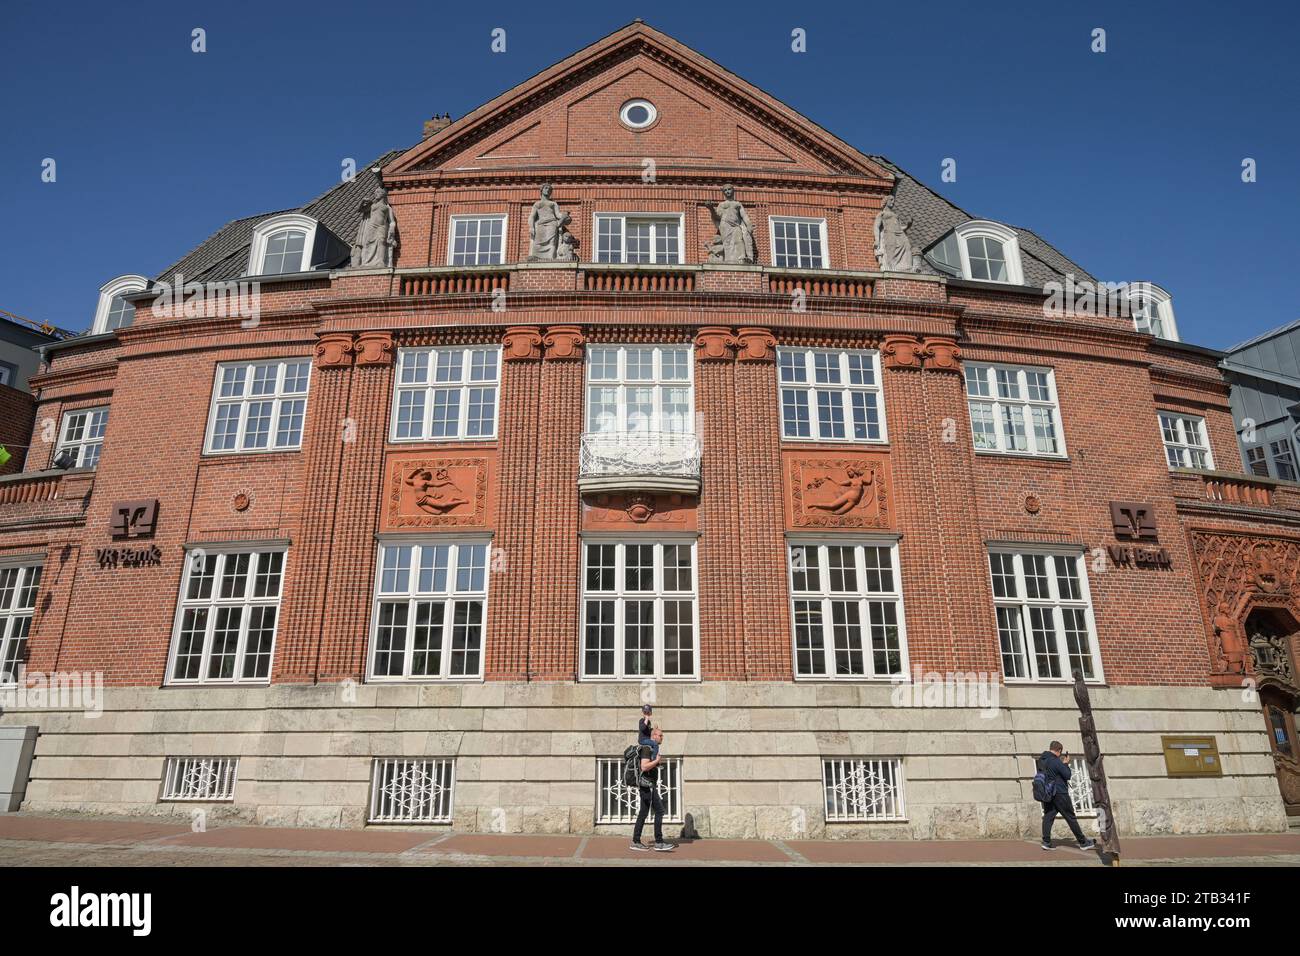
column 1152, row 309
column 982, row 229
column 269, row 227
column 108, row 293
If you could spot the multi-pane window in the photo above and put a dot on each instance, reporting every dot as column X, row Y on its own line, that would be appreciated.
column 799, row 243
column 1256, row 462
column 283, row 252
column 639, row 609
column 1283, row 459
column 446, row 394
column 847, row 607
column 638, row 239
column 1014, row 410
column 120, row 314
column 477, row 240
column 987, row 258
column 1186, row 442
column 1044, row 615
column 639, row 389
column 830, row 396
column 430, row 607
column 226, row 621
column 82, row 436
column 18, row 586
column 258, row 406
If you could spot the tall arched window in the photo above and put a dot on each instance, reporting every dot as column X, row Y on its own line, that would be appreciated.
column 282, row 244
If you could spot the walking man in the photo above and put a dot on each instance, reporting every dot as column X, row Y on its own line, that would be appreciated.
column 1054, row 765
column 648, row 785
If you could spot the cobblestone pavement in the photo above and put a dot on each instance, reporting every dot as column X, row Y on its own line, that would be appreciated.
column 40, row 840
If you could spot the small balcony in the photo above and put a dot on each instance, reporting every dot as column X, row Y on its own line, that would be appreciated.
column 1236, row 491
column 52, row 498
column 639, row 461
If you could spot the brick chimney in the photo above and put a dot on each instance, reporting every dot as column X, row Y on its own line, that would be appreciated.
column 432, row 126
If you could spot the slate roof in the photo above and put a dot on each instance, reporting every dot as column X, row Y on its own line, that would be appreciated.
column 224, row 254
column 933, row 217
column 1263, row 337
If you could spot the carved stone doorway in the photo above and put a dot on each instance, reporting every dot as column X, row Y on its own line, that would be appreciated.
column 1271, row 633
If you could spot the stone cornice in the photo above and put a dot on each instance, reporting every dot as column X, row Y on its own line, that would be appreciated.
column 80, row 375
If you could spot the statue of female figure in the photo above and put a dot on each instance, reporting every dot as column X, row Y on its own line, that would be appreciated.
column 893, row 248
column 544, row 224
column 735, row 240
column 376, row 234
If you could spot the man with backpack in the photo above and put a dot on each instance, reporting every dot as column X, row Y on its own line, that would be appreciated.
column 1052, row 790
column 646, row 775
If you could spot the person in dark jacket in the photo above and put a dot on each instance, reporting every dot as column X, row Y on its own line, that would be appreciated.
column 649, row 793
column 1055, row 767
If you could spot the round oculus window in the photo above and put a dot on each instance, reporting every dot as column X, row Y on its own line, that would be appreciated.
column 638, row 114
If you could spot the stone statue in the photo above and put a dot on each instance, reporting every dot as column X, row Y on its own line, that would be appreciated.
column 545, row 223
column 734, row 242
column 893, row 248
column 376, row 242
column 567, row 245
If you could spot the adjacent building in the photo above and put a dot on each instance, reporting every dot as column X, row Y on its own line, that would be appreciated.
column 632, row 385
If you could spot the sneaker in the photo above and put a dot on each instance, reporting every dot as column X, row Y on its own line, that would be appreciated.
column 1048, row 846
column 1088, row 845
column 665, row 847
column 638, row 846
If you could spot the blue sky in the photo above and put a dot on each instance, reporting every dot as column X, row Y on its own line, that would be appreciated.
column 1129, row 160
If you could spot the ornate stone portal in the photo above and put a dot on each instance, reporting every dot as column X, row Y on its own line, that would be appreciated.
column 734, row 241
column 375, row 245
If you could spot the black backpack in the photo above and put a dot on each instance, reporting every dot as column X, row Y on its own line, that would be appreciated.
column 632, row 766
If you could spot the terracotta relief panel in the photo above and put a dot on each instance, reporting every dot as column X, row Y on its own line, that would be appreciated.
column 849, row 489
column 639, row 512
column 432, row 491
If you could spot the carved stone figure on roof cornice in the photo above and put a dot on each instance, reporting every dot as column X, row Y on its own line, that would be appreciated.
column 893, row 248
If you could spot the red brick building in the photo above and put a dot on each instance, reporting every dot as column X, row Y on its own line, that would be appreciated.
column 414, row 542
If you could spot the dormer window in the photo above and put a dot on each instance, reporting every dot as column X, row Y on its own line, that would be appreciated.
column 980, row 250
column 282, row 245
column 1152, row 309
column 114, row 311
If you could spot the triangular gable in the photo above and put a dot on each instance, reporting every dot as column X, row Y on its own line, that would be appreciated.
column 707, row 115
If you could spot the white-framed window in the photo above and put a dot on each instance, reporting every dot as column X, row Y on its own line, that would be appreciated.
column 18, row 586
column 1152, row 309
column 831, row 395
column 430, row 608
column 1283, row 454
column 1014, row 410
column 987, row 251
column 282, row 244
column 638, row 114
column 1187, row 445
column 846, row 603
column 639, row 609
column 6, row 373
column 798, row 243
column 226, row 617
column 258, row 406
column 113, row 311
column 412, row 790
column 619, row 803
column 200, row 778
column 82, row 436
column 477, row 240
column 863, row 790
column 643, row 238
column 1044, row 614
column 640, row 388
column 446, row 394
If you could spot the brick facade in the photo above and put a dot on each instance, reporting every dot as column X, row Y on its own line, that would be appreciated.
column 946, row 501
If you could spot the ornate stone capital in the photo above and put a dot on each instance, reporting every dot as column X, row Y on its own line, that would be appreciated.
column 563, row 342
column 715, row 343
column 522, row 342
column 756, row 345
column 334, row 350
column 374, row 348
column 942, row 354
column 902, row 351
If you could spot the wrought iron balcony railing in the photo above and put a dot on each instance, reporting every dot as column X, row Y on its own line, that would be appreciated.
column 639, row 461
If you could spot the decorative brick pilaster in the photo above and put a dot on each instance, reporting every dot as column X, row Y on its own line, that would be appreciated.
column 715, row 343
column 334, row 350
column 941, row 354
column 522, row 343
column 902, row 351
column 374, row 348
column 563, row 342
column 756, row 345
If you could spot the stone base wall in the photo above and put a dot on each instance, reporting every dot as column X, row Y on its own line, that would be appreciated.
column 526, row 754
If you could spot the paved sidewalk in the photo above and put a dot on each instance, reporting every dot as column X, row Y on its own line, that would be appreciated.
column 44, row 840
